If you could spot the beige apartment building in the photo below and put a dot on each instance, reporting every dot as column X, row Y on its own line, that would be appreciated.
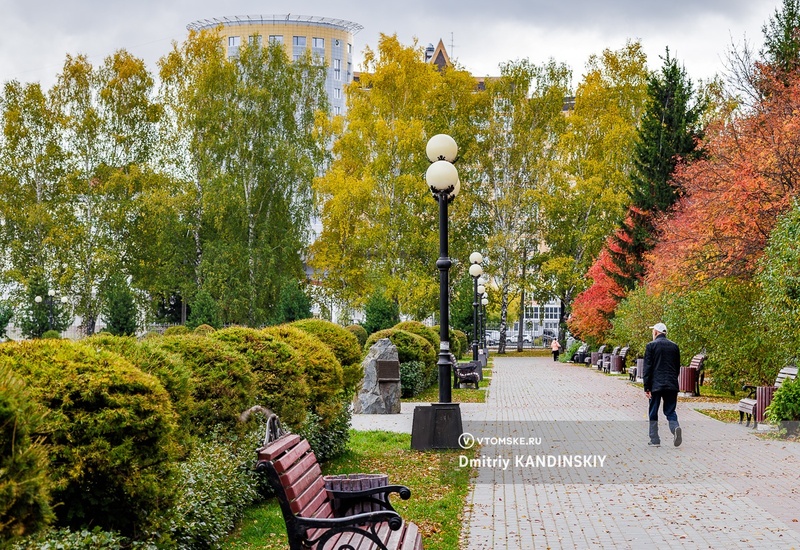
column 329, row 40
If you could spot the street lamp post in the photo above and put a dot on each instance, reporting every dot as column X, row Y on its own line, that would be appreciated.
column 484, row 303
column 475, row 271
column 49, row 301
column 439, row 426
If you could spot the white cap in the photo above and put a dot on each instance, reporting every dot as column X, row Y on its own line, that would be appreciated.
column 660, row 327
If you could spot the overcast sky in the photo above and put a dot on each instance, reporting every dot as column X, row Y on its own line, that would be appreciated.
column 36, row 35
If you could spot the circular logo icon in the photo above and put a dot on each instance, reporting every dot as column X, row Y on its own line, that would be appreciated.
column 466, row 440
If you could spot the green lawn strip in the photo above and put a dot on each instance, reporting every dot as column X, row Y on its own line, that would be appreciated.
column 438, row 491
column 460, row 395
column 723, row 415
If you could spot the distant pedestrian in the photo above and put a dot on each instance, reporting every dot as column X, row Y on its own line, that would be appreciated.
column 662, row 363
column 556, row 348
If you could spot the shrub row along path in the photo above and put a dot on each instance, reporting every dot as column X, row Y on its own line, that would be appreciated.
column 724, row 487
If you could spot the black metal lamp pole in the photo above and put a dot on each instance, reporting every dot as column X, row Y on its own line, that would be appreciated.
column 475, row 271
column 438, row 426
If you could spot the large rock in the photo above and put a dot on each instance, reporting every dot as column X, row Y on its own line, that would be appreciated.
column 379, row 395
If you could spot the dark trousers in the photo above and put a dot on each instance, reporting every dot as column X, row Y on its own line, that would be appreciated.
column 670, row 399
column 555, row 356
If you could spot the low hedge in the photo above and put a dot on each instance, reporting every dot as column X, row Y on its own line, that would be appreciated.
column 360, row 333
column 464, row 343
column 410, row 347
column 109, row 433
column 279, row 377
column 420, row 329
column 223, row 384
column 168, row 367
column 455, row 344
column 342, row 343
column 24, row 484
column 322, row 370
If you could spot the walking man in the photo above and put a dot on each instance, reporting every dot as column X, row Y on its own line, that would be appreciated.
column 662, row 363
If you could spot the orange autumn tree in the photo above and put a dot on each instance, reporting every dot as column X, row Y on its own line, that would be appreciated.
column 733, row 196
column 593, row 308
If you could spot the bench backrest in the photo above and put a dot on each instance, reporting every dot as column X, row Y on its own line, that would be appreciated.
column 296, row 478
column 624, row 352
column 697, row 361
column 616, row 351
column 787, row 373
column 602, row 349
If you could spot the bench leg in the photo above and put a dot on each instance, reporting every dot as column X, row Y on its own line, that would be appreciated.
column 741, row 417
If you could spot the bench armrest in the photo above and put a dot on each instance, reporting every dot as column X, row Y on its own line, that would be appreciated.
column 751, row 389
column 374, row 495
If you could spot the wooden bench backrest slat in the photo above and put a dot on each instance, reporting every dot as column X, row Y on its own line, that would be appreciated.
column 291, row 456
column 616, row 351
column 787, row 373
column 278, row 447
column 697, row 361
column 602, row 349
column 298, row 470
column 307, row 476
column 624, row 352
column 313, row 503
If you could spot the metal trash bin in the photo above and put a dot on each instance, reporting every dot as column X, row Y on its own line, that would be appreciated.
column 616, row 364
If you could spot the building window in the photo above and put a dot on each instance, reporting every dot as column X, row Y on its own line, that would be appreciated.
column 276, row 38
column 299, row 40
column 296, row 57
column 337, row 69
column 337, row 93
column 234, row 41
column 349, row 48
column 255, row 40
column 337, row 110
column 317, row 42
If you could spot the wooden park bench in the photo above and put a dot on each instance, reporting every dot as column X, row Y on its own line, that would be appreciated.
column 580, row 354
column 323, row 519
column 691, row 377
column 596, row 357
column 617, row 362
column 465, row 373
column 759, row 398
column 605, row 363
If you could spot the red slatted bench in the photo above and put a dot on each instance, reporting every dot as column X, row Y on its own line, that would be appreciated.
column 756, row 402
column 312, row 520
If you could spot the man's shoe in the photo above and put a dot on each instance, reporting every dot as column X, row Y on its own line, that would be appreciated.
column 651, row 444
column 678, row 436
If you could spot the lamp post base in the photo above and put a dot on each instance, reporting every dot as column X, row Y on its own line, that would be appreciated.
column 436, row 426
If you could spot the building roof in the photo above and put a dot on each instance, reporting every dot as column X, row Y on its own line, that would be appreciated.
column 285, row 19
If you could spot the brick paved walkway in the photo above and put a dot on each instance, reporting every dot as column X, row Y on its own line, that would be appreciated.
column 723, row 488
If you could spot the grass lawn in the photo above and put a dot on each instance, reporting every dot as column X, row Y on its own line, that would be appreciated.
column 721, row 415
column 438, row 491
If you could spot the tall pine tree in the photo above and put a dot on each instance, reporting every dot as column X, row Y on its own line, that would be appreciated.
column 669, row 132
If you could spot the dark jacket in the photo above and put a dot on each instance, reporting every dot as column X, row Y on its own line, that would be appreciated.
column 662, row 364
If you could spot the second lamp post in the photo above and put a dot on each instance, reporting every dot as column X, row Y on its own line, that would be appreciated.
column 475, row 271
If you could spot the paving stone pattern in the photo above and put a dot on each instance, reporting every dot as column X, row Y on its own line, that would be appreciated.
column 723, row 488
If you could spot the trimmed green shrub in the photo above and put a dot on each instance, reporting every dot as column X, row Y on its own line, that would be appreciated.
column 420, row 329
column 454, row 343
column 410, row 347
column 279, row 378
column 167, row 367
column 342, row 343
column 24, row 482
column 412, row 378
column 176, row 330
column 204, row 330
column 213, row 491
column 327, row 424
column 464, row 343
column 222, row 381
column 51, row 335
column 109, row 433
column 360, row 333
column 322, row 370
column 83, row 539
column 785, row 406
